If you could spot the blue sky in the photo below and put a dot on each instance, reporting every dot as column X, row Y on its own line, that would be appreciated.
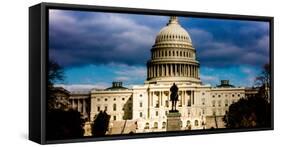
column 98, row 48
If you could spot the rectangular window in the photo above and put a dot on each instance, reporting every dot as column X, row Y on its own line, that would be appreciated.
column 98, row 108
column 140, row 104
column 157, row 104
column 114, row 117
column 167, row 103
column 189, row 102
column 114, row 107
column 140, row 114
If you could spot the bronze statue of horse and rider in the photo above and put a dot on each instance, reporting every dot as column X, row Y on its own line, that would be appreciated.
column 174, row 97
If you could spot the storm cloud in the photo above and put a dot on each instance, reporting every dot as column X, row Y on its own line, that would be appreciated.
column 81, row 38
column 226, row 43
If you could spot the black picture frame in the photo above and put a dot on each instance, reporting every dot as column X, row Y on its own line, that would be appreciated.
column 38, row 59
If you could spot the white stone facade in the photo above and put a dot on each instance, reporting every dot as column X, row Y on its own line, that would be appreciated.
column 173, row 60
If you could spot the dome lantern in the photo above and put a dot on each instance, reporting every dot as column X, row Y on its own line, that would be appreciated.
column 173, row 20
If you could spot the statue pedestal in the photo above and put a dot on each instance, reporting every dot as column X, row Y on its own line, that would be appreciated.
column 173, row 121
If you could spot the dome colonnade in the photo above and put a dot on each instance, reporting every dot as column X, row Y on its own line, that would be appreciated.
column 173, row 57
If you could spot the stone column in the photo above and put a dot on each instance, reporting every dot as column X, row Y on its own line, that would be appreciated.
column 183, row 69
column 79, row 105
column 171, row 69
column 159, row 98
column 162, row 70
column 180, row 69
column 154, row 71
column 197, row 71
column 151, row 71
column 158, row 70
column 192, row 71
column 152, row 94
column 188, row 70
column 165, row 69
column 148, row 105
column 183, row 96
column 176, row 70
column 84, row 106
column 192, row 97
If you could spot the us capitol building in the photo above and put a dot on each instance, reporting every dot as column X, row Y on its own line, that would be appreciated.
column 144, row 108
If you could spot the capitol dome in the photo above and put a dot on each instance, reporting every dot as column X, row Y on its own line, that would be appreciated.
column 173, row 32
column 173, row 58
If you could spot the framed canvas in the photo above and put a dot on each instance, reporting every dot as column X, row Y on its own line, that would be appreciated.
column 103, row 73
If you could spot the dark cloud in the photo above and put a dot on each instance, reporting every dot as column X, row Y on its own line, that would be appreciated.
column 82, row 38
column 224, row 43
column 98, row 38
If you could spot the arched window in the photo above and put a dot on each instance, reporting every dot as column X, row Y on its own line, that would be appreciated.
column 196, row 123
column 219, row 103
column 173, row 53
column 163, row 125
column 187, row 123
column 214, row 112
column 180, row 123
column 155, row 126
column 226, row 102
column 214, row 103
column 146, row 126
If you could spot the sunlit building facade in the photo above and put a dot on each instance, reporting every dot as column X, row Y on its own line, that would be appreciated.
column 144, row 108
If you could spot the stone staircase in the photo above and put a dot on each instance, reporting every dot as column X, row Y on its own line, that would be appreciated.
column 122, row 127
